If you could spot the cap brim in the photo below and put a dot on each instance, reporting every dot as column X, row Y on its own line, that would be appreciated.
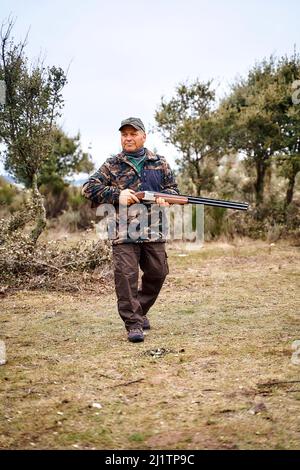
column 132, row 125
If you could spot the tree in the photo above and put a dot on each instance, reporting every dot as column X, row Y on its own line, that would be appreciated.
column 288, row 158
column 251, row 116
column 65, row 158
column 33, row 103
column 290, row 167
column 188, row 122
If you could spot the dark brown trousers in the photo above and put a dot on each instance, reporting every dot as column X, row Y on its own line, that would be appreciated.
column 151, row 257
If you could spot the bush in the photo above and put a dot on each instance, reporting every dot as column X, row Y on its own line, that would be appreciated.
column 27, row 262
column 7, row 194
column 11, row 197
column 214, row 218
column 68, row 221
column 69, row 207
column 271, row 222
column 75, row 199
column 24, row 264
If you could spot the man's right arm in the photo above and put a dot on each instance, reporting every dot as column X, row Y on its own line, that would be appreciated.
column 98, row 188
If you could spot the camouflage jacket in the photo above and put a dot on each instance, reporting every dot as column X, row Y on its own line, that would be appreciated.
column 118, row 173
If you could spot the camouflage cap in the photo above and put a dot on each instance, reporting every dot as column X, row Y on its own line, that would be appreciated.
column 134, row 122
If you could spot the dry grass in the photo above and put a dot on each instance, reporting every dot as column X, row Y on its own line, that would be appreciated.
column 213, row 373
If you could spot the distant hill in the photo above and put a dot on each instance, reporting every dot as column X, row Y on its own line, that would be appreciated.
column 78, row 182
column 74, row 182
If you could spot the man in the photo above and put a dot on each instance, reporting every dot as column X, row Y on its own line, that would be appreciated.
column 116, row 182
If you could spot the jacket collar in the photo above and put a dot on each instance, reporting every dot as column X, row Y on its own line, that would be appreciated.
column 149, row 156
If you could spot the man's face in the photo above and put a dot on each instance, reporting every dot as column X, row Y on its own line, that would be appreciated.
column 132, row 139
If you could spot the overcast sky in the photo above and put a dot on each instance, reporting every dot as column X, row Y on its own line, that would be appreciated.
column 124, row 55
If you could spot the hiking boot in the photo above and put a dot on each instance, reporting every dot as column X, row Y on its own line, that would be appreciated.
column 135, row 335
column 146, row 324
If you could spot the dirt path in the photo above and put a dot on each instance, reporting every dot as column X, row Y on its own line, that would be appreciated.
column 215, row 371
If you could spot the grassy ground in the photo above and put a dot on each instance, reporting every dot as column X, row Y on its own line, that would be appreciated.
column 214, row 372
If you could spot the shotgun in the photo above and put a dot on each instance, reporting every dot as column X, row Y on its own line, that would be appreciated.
column 150, row 197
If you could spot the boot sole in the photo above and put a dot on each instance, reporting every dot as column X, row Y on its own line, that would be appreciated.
column 136, row 340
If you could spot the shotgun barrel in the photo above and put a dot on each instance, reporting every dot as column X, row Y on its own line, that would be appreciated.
column 243, row 206
column 150, row 197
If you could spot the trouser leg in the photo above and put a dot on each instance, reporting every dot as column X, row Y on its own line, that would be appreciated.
column 126, row 259
column 154, row 264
